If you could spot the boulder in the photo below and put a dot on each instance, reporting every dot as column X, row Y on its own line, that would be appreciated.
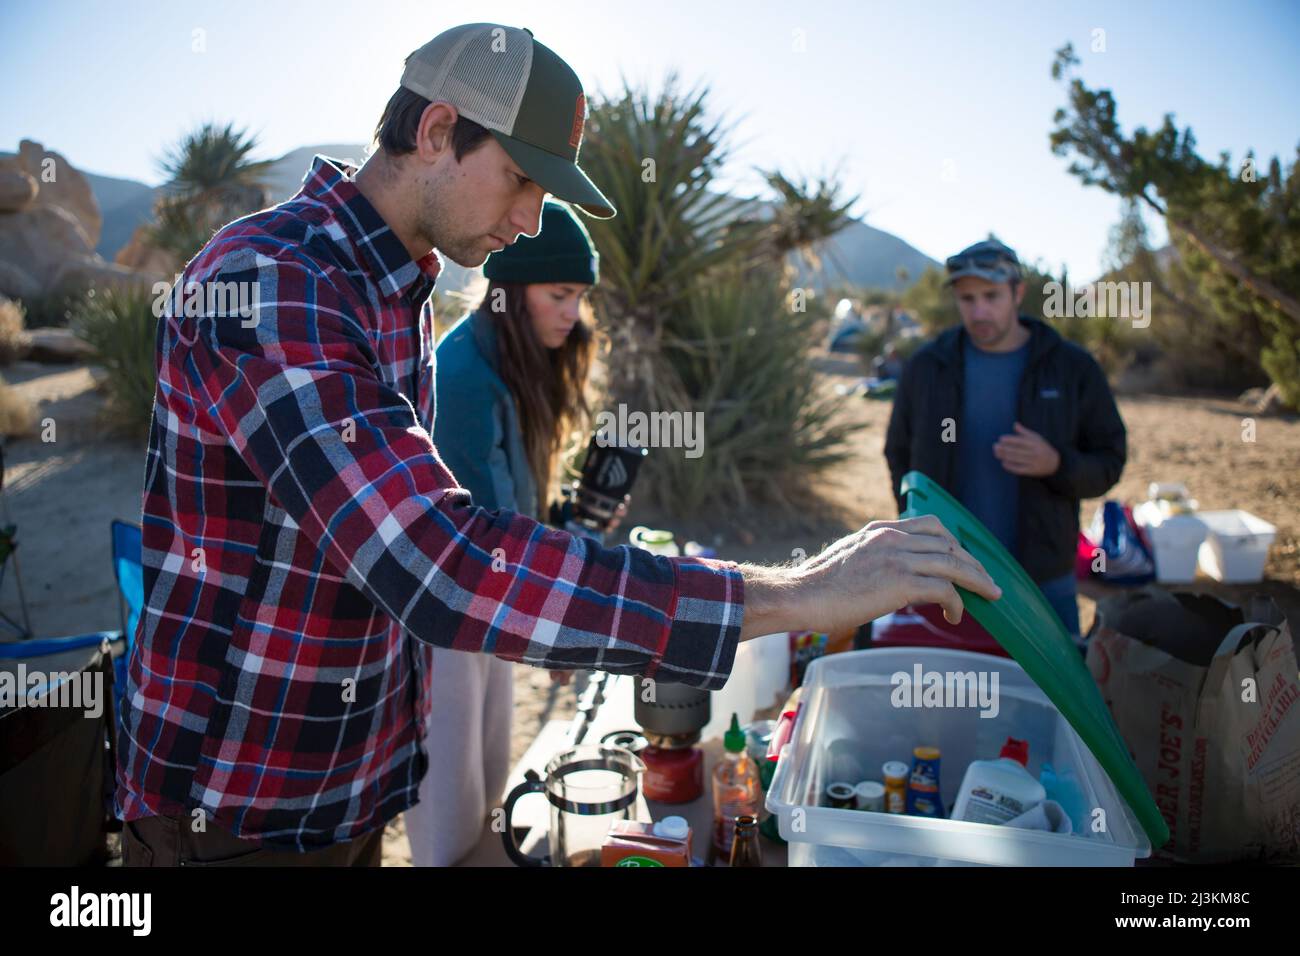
column 44, row 250
column 59, row 184
column 17, row 189
column 17, row 283
column 93, row 272
column 56, row 347
column 139, row 254
column 49, row 224
column 41, row 241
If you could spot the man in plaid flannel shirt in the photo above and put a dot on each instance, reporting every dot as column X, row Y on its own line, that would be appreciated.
column 302, row 536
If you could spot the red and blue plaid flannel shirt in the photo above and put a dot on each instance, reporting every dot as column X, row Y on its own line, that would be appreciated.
column 302, row 536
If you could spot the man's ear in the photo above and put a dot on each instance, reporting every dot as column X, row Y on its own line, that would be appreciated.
column 433, row 135
column 1020, row 292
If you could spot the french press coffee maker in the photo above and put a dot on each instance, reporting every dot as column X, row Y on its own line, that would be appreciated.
column 589, row 787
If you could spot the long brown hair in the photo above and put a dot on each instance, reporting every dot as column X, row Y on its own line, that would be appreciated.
column 548, row 385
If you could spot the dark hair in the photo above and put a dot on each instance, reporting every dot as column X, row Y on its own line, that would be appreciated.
column 548, row 385
column 397, row 127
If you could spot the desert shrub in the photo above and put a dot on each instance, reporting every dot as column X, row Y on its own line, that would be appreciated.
column 14, row 339
column 17, row 413
column 121, row 328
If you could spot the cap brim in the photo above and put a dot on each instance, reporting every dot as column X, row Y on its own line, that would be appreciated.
column 559, row 177
column 989, row 275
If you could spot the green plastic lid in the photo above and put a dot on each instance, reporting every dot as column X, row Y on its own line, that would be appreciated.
column 1028, row 629
column 734, row 738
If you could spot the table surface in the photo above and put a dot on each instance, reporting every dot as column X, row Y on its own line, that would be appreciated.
column 532, row 814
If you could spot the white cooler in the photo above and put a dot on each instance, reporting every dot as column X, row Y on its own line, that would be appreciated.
column 1237, row 546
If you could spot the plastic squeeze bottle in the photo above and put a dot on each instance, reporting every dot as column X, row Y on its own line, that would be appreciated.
column 995, row 791
column 736, row 788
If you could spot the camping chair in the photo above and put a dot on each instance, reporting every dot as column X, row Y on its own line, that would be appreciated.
column 48, row 751
column 129, row 571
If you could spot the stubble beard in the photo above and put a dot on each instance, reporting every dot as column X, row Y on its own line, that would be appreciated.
column 437, row 225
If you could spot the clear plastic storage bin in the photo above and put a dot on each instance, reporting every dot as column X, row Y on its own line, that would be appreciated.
column 849, row 727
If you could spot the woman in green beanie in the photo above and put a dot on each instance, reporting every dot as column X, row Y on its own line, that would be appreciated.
column 510, row 391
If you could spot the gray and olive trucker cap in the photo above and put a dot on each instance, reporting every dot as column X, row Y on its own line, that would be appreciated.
column 989, row 259
column 523, row 93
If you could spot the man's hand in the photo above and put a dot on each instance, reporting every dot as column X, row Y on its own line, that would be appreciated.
column 1027, row 453
column 863, row 576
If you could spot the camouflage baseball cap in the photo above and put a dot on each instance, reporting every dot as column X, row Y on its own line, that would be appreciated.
column 989, row 259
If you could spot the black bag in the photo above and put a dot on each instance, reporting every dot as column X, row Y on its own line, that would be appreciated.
column 57, row 769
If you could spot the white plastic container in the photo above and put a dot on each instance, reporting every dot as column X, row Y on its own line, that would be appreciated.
column 773, row 666
column 1237, row 547
column 1175, row 539
column 737, row 695
column 995, row 791
column 758, row 679
column 848, row 727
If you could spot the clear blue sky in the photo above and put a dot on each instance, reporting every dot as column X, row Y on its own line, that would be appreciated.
column 936, row 113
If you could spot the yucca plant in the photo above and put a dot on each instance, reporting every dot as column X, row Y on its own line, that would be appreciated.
column 211, row 181
column 656, row 159
column 694, row 304
column 741, row 352
column 121, row 328
column 181, row 227
column 805, row 213
column 213, row 160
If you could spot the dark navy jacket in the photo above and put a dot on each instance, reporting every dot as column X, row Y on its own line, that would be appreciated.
column 1064, row 396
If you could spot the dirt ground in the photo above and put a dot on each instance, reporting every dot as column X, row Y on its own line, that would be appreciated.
column 63, row 494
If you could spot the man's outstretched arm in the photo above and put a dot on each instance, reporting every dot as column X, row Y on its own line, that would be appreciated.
column 298, row 399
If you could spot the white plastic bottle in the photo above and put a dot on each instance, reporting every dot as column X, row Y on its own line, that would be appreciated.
column 995, row 791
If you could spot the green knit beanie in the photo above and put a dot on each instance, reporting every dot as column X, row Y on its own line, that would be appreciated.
column 561, row 252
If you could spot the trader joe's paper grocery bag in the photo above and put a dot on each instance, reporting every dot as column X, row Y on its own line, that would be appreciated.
column 1206, row 697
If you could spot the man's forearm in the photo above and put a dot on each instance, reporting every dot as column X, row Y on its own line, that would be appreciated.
column 771, row 601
